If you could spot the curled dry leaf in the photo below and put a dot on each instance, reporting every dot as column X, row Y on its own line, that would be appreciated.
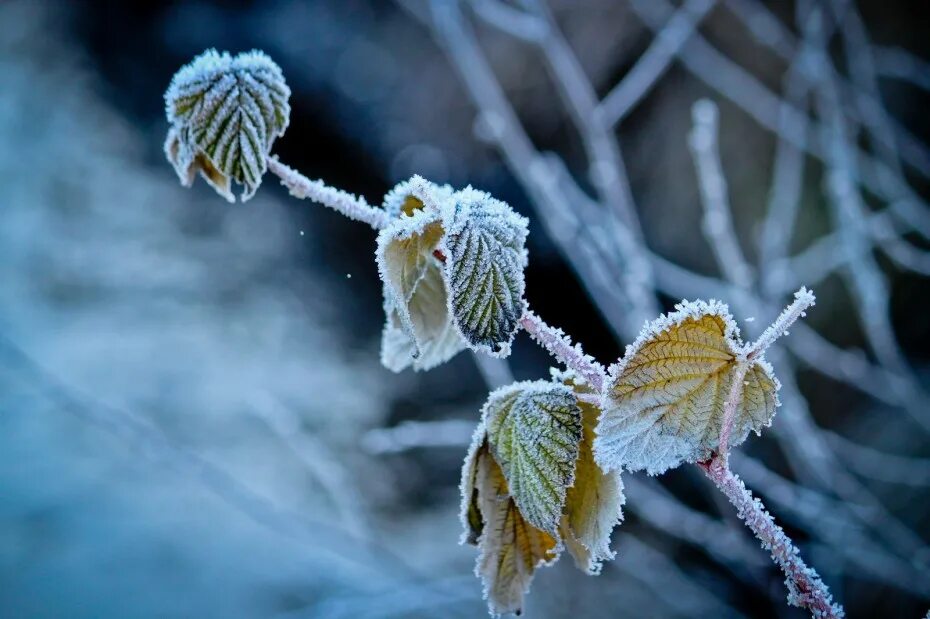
column 510, row 549
column 225, row 113
column 664, row 403
column 418, row 331
column 593, row 505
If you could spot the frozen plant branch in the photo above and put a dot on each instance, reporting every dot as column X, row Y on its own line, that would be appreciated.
column 655, row 61
column 717, row 223
column 452, row 263
column 803, row 299
column 350, row 205
column 805, row 589
column 560, row 346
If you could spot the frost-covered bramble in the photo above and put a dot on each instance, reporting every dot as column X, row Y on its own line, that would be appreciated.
column 664, row 402
column 530, row 487
column 452, row 264
column 225, row 113
column 543, row 470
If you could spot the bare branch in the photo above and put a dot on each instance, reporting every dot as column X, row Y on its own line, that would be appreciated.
column 655, row 61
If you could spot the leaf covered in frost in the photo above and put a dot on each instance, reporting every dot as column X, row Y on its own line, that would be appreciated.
column 533, row 433
column 484, row 246
column 470, row 512
column 418, row 329
column 593, row 505
column 401, row 199
column 509, row 548
column 664, row 403
column 452, row 263
column 225, row 113
column 518, row 502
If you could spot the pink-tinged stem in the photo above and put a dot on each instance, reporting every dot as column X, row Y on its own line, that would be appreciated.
column 350, row 205
column 803, row 299
column 805, row 589
column 729, row 409
column 560, row 346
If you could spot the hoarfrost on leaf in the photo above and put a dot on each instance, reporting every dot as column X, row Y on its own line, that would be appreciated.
column 418, row 330
column 664, row 402
column 530, row 483
column 470, row 512
column 593, row 505
column 534, row 429
column 484, row 245
column 402, row 200
column 510, row 549
column 452, row 265
column 225, row 113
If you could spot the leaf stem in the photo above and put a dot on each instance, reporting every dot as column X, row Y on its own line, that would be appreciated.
column 350, row 205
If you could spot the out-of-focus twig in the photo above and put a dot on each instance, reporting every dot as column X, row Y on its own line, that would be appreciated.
column 655, row 61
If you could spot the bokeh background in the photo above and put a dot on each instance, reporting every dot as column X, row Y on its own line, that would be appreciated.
column 193, row 418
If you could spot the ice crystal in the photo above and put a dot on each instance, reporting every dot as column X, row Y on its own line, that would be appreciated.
column 664, row 402
column 225, row 113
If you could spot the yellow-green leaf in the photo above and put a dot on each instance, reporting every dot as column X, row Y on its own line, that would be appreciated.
column 486, row 256
column 510, row 548
column 534, row 429
column 593, row 504
column 664, row 403
column 418, row 330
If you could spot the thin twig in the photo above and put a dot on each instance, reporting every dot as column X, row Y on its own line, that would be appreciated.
column 350, row 205
column 718, row 222
column 655, row 61
column 805, row 589
column 560, row 346
column 803, row 299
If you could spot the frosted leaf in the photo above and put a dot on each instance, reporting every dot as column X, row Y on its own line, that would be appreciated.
column 518, row 502
column 398, row 349
column 418, row 329
column 664, row 403
column 510, row 549
column 225, row 113
column 470, row 512
column 533, row 433
column 484, row 246
column 401, row 201
column 593, row 505
column 462, row 249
